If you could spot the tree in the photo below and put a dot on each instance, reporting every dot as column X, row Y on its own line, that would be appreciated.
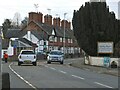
column 6, row 25
column 92, row 23
column 16, row 19
column 24, row 22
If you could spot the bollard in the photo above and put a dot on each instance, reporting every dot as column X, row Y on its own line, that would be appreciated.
column 5, row 81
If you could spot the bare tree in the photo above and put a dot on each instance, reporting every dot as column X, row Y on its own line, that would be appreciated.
column 16, row 19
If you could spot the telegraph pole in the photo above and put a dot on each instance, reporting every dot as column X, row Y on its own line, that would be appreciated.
column 64, row 34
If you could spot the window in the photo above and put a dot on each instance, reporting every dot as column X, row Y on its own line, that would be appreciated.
column 71, row 41
column 55, row 39
column 63, row 39
column 44, row 42
column 60, row 39
column 27, row 52
column 68, row 40
column 51, row 38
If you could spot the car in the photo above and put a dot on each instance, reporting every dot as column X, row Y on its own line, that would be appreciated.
column 55, row 56
column 27, row 56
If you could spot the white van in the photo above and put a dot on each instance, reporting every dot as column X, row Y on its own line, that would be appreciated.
column 27, row 56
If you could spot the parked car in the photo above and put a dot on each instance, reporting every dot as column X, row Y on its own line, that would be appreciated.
column 27, row 56
column 55, row 56
column 41, row 55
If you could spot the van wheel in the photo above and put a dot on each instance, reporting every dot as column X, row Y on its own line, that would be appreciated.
column 19, row 63
column 48, row 62
column 61, row 62
column 35, row 63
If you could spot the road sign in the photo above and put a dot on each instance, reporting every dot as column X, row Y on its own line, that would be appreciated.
column 105, row 47
column 106, row 61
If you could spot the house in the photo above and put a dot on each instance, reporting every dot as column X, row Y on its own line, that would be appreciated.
column 14, row 42
column 47, row 35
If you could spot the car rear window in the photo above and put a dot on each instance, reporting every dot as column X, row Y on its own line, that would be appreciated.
column 27, row 52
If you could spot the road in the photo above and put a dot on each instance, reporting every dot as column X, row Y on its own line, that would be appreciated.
column 56, row 75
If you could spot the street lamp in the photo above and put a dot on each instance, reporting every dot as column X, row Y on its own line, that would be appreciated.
column 0, row 50
column 64, row 34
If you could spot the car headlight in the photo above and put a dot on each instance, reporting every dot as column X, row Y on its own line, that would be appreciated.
column 49, row 58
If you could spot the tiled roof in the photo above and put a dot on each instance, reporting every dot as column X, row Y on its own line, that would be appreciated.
column 14, row 33
column 59, row 31
column 39, row 35
column 24, row 40
column 18, row 33
column 5, row 43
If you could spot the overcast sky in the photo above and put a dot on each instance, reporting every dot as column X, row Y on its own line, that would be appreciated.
column 8, row 8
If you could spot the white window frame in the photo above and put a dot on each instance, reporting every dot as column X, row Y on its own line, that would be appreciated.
column 68, row 40
column 71, row 41
column 61, row 39
column 55, row 39
column 64, row 40
column 51, row 38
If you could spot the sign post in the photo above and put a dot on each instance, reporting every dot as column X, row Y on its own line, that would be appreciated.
column 105, row 49
column 106, row 61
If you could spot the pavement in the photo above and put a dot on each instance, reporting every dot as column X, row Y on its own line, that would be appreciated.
column 79, row 63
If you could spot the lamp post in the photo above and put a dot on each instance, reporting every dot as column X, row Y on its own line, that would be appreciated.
column 0, row 58
column 64, row 34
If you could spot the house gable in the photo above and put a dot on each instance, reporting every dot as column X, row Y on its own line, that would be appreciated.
column 34, row 39
column 53, row 32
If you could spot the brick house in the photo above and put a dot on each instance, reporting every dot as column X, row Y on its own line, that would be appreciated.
column 47, row 35
column 52, row 32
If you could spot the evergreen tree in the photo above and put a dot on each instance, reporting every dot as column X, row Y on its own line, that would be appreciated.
column 94, row 23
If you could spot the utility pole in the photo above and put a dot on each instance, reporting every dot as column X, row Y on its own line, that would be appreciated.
column 0, row 58
column 0, row 49
column 64, row 34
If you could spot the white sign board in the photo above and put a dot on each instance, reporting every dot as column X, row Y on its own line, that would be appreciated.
column 105, row 47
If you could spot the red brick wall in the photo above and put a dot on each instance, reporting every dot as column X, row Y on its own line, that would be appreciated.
column 48, row 19
column 56, row 22
column 67, row 24
column 37, row 17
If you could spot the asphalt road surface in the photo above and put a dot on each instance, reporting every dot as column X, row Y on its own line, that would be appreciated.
column 55, row 75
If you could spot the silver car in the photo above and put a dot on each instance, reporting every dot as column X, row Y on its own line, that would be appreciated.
column 55, row 56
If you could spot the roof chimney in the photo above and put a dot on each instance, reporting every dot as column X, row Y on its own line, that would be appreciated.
column 62, row 23
column 69, row 25
column 37, row 17
column 56, row 22
column 48, row 19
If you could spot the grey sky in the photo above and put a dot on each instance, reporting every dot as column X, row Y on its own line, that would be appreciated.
column 57, row 7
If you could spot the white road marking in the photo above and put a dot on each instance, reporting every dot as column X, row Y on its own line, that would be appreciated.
column 52, row 68
column 62, row 72
column 78, row 77
column 46, row 66
column 103, row 85
column 21, row 77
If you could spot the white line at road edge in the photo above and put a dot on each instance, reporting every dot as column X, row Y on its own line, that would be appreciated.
column 21, row 77
column 78, row 77
column 52, row 68
column 103, row 85
column 62, row 72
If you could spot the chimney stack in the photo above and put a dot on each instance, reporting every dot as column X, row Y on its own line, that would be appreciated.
column 69, row 25
column 37, row 17
column 48, row 19
column 56, row 22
